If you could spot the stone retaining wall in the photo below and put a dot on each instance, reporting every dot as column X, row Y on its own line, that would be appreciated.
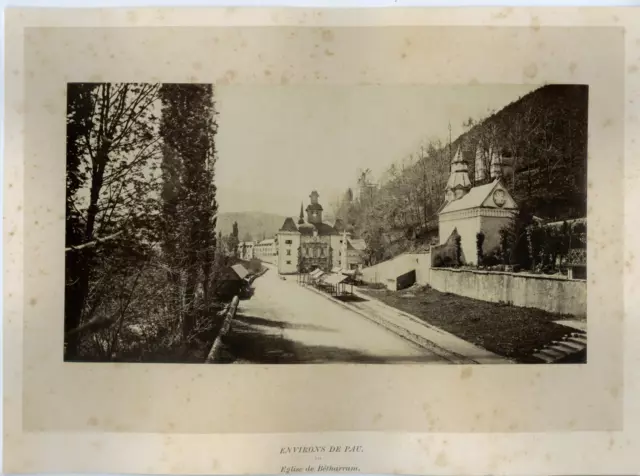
column 550, row 293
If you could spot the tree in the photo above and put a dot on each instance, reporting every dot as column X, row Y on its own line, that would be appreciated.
column 504, row 245
column 365, row 185
column 479, row 244
column 458, row 240
column 300, row 267
column 247, row 237
column 234, row 241
column 110, row 144
column 188, row 129
column 79, row 123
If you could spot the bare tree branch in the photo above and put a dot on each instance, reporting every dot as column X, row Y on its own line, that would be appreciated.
column 94, row 242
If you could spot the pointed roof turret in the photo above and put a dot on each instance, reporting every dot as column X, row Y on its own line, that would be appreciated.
column 459, row 183
column 289, row 225
column 301, row 219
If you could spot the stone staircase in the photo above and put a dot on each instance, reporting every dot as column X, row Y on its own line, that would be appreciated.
column 570, row 344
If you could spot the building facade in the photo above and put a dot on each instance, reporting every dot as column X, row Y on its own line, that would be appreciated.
column 245, row 250
column 309, row 243
column 352, row 253
column 266, row 250
column 469, row 210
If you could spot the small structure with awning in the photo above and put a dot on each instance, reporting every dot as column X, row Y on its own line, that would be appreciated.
column 314, row 276
column 232, row 282
column 240, row 270
column 334, row 283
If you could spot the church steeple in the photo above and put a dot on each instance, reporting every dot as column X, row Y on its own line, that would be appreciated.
column 459, row 183
column 314, row 210
column 301, row 219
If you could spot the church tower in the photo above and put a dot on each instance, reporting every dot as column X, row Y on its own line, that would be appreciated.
column 459, row 183
column 314, row 209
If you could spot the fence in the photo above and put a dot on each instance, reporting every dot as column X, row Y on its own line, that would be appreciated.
column 550, row 293
column 229, row 314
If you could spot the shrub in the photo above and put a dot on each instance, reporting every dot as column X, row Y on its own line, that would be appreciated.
column 491, row 260
column 504, row 245
column 254, row 265
column 579, row 229
column 458, row 249
column 479, row 243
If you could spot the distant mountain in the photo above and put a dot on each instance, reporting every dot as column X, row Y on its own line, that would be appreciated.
column 256, row 224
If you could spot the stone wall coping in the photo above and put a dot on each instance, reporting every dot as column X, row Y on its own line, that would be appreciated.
column 510, row 273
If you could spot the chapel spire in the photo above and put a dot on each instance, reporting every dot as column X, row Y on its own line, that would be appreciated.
column 301, row 219
column 459, row 183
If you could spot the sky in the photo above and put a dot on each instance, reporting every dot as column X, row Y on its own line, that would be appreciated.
column 278, row 143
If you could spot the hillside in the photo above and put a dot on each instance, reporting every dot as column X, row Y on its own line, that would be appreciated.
column 257, row 224
column 544, row 137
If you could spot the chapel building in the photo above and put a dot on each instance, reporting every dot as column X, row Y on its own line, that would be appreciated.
column 469, row 210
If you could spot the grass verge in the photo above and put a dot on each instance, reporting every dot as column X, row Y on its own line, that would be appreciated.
column 510, row 331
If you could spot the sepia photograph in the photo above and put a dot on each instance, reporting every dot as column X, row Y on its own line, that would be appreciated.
column 339, row 238
column 288, row 224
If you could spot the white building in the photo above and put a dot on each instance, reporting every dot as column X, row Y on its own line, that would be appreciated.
column 246, row 250
column 469, row 210
column 310, row 244
column 266, row 250
column 352, row 253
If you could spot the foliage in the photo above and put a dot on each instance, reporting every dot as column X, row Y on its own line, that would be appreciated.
column 300, row 263
column 458, row 241
column 479, row 250
column 542, row 139
column 505, row 245
column 187, row 128
column 233, row 240
column 255, row 265
column 492, row 259
column 140, row 218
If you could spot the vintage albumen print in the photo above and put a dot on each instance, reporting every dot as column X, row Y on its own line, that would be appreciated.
column 230, row 232
column 231, row 224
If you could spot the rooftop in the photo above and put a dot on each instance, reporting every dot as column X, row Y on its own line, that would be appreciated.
column 475, row 198
column 240, row 270
column 289, row 225
column 307, row 229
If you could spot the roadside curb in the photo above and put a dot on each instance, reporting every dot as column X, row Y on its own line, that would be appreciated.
column 415, row 339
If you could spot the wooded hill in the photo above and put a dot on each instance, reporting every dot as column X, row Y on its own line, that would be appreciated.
column 251, row 225
column 542, row 138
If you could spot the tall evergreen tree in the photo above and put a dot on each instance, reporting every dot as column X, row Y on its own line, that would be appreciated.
column 188, row 129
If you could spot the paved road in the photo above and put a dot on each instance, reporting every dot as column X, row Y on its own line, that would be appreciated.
column 287, row 323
